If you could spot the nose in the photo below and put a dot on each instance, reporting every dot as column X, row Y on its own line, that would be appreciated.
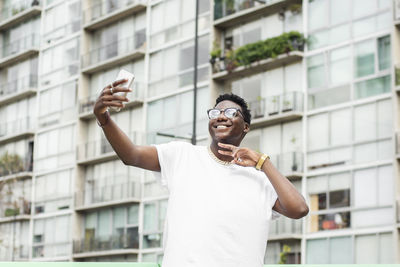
column 221, row 116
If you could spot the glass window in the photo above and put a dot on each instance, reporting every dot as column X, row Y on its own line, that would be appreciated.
column 363, row 7
column 366, row 249
column 340, row 250
column 340, row 11
column 372, row 87
column 317, row 250
column 318, row 14
column 316, row 71
column 365, row 58
column 150, row 217
column 340, row 65
column 364, row 122
column 318, row 131
column 341, row 127
column 384, row 52
column 365, row 188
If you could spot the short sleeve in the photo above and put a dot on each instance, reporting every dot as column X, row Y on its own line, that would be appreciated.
column 273, row 196
column 169, row 155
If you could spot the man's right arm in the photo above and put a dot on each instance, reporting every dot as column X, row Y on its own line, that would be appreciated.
column 145, row 157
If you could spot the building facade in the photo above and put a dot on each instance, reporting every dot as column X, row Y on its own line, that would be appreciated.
column 321, row 78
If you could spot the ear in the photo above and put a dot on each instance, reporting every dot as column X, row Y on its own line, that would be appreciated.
column 246, row 128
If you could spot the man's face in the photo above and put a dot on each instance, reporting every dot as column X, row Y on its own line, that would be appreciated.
column 226, row 130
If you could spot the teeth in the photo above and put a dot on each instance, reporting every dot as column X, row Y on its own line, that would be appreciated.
column 221, row 127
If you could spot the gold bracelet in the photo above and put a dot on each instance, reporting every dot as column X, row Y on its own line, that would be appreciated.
column 261, row 161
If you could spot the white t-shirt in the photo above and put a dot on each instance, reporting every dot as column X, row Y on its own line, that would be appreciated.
column 217, row 215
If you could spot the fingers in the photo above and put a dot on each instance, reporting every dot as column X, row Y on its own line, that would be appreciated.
column 113, row 104
column 224, row 152
column 227, row 146
column 114, row 97
column 107, row 90
column 115, row 83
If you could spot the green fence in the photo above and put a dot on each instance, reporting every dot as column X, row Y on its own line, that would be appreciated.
column 134, row 264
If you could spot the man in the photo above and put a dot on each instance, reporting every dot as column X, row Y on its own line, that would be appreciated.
column 221, row 198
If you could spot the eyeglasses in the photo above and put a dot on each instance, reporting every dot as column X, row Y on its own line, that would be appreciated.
column 230, row 113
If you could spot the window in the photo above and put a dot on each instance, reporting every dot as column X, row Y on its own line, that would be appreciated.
column 332, row 22
column 51, row 152
column 48, row 240
column 60, row 62
column 170, row 23
column 153, row 223
column 114, row 228
column 15, row 242
column 53, row 191
column 160, row 124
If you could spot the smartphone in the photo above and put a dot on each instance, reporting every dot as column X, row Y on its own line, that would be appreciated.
column 123, row 74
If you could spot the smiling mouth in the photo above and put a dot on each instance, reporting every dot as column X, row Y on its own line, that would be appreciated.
column 221, row 127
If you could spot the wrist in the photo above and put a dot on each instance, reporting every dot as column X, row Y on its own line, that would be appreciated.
column 261, row 161
column 102, row 119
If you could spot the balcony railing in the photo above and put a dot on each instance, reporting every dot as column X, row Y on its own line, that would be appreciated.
column 50, row 250
column 104, row 8
column 17, row 165
column 20, row 45
column 285, row 227
column 225, row 8
column 278, row 104
column 16, row 7
column 15, row 127
column 98, row 148
column 19, row 86
column 115, row 49
column 107, row 193
column 86, row 105
column 21, row 206
column 123, row 241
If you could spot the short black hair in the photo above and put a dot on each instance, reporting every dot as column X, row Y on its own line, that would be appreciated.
column 238, row 100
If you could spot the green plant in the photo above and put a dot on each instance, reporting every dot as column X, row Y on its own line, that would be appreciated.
column 230, row 60
column 295, row 8
column 283, row 255
column 11, row 212
column 397, row 76
column 10, row 163
column 216, row 51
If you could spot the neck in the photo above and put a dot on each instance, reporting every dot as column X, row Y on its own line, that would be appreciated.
column 214, row 148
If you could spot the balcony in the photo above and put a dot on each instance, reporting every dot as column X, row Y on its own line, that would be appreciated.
column 289, row 164
column 230, row 13
column 108, row 245
column 276, row 109
column 106, row 12
column 98, row 151
column 284, row 229
column 17, row 12
column 135, row 99
column 223, row 74
column 115, row 53
column 19, row 50
column 15, row 130
column 15, row 167
column 396, row 8
column 18, row 89
column 50, row 250
column 109, row 195
column 19, row 210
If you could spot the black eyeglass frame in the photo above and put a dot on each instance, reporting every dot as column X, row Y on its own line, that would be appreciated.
column 223, row 111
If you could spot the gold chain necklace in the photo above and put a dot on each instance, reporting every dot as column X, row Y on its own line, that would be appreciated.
column 217, row 159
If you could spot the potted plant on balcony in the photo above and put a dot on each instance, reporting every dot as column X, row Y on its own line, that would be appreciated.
column 273, row 109
column 215, row 57
column 293, row 140
column 295, row 8
column 230, row 60
column 283, row 255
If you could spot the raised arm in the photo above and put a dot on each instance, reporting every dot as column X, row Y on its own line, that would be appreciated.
column 131, row 154
column 290, row 202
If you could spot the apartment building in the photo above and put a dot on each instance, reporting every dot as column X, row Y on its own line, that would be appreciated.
column 324, row 108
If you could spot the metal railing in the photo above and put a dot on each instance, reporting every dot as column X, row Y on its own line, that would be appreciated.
column 47, row 250
column 19, row 85
column 15, row 127
column 17, row 166
column 278, row 104
column 20, row 45
column 225, row 8
column 17, row 7
column 100, row 147
column 285, row 226
column 123, row 241
column 87, row 104
column 104, row 8
column 100, row 194
column 19, row 206
column 114, row 49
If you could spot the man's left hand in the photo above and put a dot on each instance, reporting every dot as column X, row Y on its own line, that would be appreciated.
column 242, row 156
